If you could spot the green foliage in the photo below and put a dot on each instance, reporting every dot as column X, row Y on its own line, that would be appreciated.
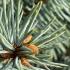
column 56, row 14
column 47, row 27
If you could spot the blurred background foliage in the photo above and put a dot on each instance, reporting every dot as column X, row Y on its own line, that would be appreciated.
column 57, row 12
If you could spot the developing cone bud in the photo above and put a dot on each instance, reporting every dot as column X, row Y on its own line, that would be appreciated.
column 25, row 62
column 27, row 39
column 34, row 48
